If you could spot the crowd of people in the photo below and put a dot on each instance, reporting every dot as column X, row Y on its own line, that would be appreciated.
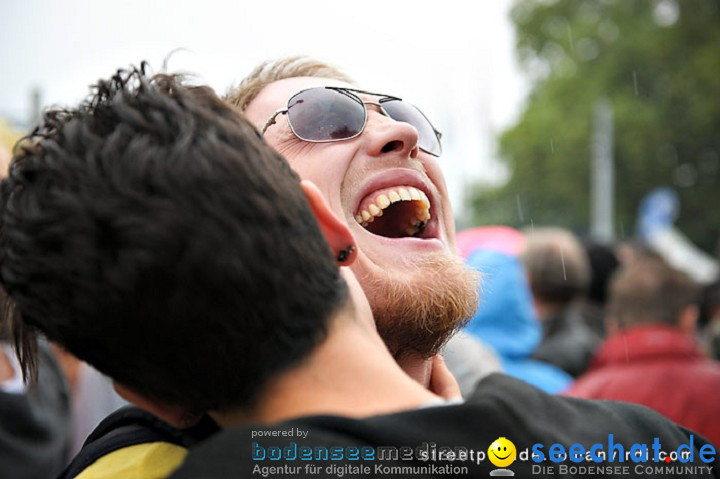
column 626, row 327
column 276, row 273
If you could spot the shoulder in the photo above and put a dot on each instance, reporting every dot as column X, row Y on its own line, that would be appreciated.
column 154, row 460
column 133, row 443
column 500, row 407
column 538, row 415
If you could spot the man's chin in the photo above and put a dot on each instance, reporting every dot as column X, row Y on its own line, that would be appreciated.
column 416, row 313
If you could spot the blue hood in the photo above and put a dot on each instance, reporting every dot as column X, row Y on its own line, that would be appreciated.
column 506, row 320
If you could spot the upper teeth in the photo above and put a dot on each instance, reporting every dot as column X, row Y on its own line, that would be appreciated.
column 375, row 207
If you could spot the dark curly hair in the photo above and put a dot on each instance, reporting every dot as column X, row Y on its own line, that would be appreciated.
column 153, row 233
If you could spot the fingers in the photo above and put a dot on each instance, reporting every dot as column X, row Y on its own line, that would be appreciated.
column 442, row 382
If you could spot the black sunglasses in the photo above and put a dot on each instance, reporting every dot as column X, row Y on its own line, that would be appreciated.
column 326, row 114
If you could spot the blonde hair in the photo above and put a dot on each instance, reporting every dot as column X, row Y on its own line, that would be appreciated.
column 271, row 71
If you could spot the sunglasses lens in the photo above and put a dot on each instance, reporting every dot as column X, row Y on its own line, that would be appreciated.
column 323, row 114
column 399, row 110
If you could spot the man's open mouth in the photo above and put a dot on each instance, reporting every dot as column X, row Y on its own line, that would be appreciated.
column 395, row 212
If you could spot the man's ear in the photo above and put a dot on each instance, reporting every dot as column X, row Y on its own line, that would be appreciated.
column 337, row 233
column 176, row 416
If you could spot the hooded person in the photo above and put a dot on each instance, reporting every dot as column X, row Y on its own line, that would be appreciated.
column 506, row 319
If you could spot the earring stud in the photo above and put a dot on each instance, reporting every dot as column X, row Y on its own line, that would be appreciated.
column 345, row 254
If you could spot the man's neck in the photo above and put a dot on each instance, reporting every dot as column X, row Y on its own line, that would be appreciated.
column 350, row 374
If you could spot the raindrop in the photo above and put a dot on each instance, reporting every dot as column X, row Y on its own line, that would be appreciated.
column 570, row 38
column 519, row 207
column 635, row 83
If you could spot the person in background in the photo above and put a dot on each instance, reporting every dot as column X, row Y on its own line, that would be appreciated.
column 710, row 319
column 559, row 274
column 506, row 319
column 603, row 264
column 651, row 355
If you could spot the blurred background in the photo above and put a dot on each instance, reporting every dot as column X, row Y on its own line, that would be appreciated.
column 565, row 112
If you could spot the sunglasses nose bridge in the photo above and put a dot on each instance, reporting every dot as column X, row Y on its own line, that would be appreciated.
column 380, row 109
column 369, row 104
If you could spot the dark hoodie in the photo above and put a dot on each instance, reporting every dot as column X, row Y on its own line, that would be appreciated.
column 35, row 425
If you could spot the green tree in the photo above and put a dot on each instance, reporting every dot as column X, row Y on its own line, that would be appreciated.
column 657, row 62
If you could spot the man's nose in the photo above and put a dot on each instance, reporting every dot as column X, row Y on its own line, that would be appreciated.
column 384, row 136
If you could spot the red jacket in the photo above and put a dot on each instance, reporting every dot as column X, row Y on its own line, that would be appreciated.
column 659, row 367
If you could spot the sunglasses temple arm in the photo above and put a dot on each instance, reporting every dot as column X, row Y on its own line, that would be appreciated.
column 272, row 120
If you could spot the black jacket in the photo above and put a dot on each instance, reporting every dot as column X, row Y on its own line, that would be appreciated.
column 35, row 424
column 416, row 443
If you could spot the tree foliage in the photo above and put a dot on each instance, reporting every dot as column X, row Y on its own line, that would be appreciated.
column 657, row 62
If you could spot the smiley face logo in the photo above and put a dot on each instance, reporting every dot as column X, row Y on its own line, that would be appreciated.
column 502, row 452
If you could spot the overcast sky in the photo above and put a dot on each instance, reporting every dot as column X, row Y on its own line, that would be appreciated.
column 453, row 58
